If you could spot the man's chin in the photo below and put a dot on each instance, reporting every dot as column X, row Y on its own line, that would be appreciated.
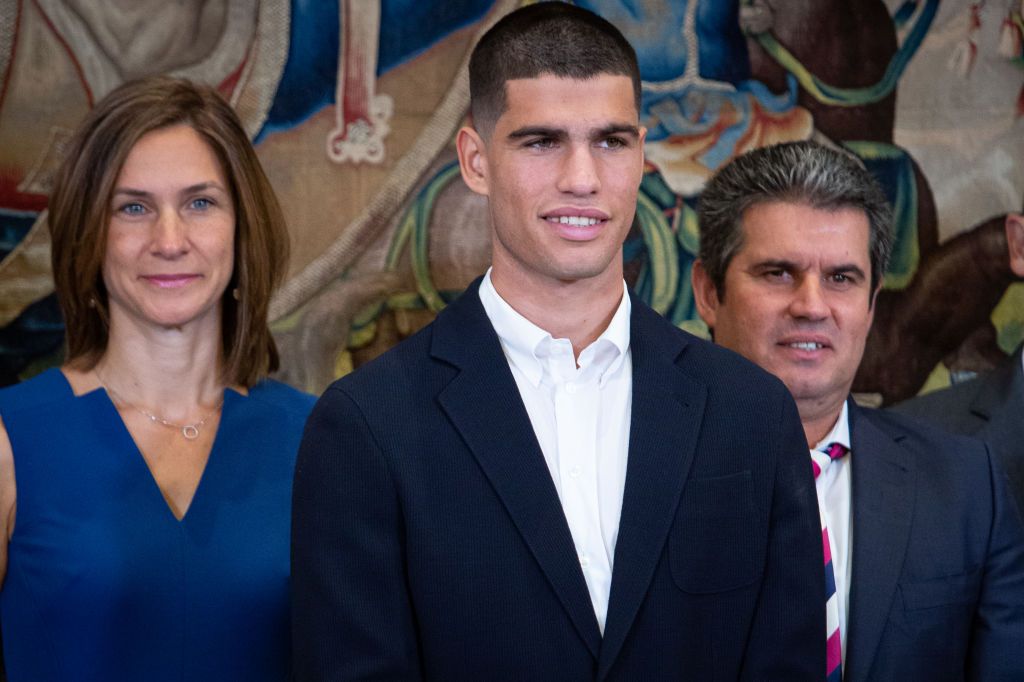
column 579, row 271
column 806, row 389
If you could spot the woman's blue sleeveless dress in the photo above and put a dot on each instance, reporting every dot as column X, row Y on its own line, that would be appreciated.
column 104, row 583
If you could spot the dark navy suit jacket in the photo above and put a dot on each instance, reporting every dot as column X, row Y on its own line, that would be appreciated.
column 937, row 591
column 429, row 541
column 990, row 407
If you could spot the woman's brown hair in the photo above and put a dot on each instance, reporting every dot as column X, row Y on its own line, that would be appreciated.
column 79, row 214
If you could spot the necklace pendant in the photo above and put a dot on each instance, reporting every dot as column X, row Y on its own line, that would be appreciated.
column 190, row 431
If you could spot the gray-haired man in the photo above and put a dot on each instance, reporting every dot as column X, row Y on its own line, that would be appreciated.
column 924, row 550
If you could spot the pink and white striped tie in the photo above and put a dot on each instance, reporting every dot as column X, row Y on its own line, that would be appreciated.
column 833, row 643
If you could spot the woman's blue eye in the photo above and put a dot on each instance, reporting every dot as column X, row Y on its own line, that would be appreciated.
column 133, row 209
column 202, row 203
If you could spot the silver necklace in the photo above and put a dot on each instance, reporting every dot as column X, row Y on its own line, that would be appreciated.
column 189, row 431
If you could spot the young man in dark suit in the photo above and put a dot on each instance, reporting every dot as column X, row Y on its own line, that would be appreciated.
column 923, row 547
column 550, row 481
column 990, row 407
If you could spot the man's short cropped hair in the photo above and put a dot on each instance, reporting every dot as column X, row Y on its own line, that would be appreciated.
column 794, row 172
column 544, row 38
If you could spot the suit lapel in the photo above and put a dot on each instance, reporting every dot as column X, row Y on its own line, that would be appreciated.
column 484, row 404
column 1000, row 403
column 883, row 494
column 666, row 415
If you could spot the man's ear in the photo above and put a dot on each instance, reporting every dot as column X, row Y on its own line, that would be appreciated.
column 1015, row 242
column 472, row 159
column 873, row 303
column 643, row 151
column 704, row 293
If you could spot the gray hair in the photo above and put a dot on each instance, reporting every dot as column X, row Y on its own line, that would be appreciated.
column 794, row 172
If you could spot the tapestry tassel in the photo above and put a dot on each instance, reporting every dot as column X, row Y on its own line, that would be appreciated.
column 961, row 62
column 1009, row 39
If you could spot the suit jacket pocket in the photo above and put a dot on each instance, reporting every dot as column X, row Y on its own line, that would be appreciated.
column 714, row 544
column 945, row 590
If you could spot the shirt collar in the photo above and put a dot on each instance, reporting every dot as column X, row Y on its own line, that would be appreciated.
column 840, row 432
column 522, row 339
column 609, row 350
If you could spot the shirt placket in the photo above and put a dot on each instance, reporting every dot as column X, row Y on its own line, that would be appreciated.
column 576, row 405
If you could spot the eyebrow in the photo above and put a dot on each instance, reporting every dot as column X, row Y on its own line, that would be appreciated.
column 191, row 189
column 561, row 133
column 774, row 264
column 618, row 129
column 782, row 264
column 537, row 131
column 849, row 268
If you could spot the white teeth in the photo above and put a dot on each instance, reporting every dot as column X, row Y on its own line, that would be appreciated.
column 578, row 221
column 806, row 346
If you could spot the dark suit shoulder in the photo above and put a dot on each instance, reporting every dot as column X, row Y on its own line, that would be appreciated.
column 950, row 407
column 958, row 485
column 956, row 472
column 399, row 370
column 969, row 407
column 731, row 371
column 923, row 435
column 715, row 366
column 938, row 547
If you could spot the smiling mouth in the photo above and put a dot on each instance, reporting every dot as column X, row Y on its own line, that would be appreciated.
column 806, row 345
column 575, row 220
column 171, row 281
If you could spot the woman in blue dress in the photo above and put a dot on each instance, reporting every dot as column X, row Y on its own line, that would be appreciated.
column 145, row 486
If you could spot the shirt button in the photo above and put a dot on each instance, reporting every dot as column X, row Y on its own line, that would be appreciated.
column 584, row 561
column 570, row 388
column 575, row 472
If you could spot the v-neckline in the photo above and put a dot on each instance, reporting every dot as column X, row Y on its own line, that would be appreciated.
column 200, row 485
column 229, row 396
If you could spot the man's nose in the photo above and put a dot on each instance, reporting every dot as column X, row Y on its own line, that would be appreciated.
column 579, row 174
column 809, row 300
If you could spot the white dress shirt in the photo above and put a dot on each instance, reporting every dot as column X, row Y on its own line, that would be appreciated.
column 581, row 418
column 833, row 488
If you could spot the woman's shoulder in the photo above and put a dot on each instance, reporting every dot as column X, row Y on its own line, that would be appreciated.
column 49, row 387
column 283, row 397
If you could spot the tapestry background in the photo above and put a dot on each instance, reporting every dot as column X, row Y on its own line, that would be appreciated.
column 353, row 105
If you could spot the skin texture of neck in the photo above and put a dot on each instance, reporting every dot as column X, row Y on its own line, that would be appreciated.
column 579, row 310
column 176, row 370
column 817, row 420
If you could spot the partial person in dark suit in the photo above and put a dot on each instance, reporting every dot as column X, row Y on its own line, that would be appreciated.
column 923, row 548
column 552, row 482
column 990, row 407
